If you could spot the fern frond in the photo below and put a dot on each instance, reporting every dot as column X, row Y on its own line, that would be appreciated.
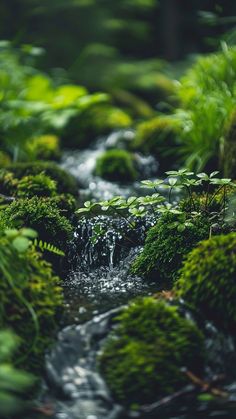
column 44, row 246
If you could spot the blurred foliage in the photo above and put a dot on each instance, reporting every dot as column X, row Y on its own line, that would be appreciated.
column 14, row 383
column 30, row 294
column 31, row 104
column 207, row 96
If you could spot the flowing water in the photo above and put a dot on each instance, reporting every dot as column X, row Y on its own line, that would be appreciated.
column 97, row 286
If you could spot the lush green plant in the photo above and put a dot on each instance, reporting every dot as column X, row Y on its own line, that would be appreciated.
column 14, row 383
column 43, row 216
column 36, row 185
column 208, row 187
column 158, row 136
column 116, row 165
column 66, row 183
column 30, row 294
column 166, row 246
column 30, row 104
column 207, row 279
column 45, row 147
column 207, row 94
column 143, row 356
column 228, row 160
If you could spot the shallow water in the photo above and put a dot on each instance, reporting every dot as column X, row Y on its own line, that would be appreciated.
column 97, row 285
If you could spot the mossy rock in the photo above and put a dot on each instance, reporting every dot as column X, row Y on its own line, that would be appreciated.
column 42, row 215
column 165, row 249
column 36, row 185
column 66, row 183
column 143, row 357
column 208, row 280
column 116, row 165
column 93, row 122
column 45, row 147
column 31, row 297
column 159, row 137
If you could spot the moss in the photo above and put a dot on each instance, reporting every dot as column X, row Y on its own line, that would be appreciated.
column 8, row 183
column 158, row 136
column 36, row 185
column 66, row 183
column 5, row 160
column 45, row 147
column 165, row 248
column 97, row 120
column 30, row 298
column 43, row 216
column 66, row 204
column 208, row 279
column 143, row 356
column 116, row 165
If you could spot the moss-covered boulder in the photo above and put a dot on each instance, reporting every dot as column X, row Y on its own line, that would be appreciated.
column 143, row 357
column 42, row 215
column 208, row 280
column 97, row 120
column 66, row 183
column 116, row 165
column 36, row 185
column 166, row 247
column 158, row 136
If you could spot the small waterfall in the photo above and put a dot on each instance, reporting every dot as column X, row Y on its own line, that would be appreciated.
column 82, row 163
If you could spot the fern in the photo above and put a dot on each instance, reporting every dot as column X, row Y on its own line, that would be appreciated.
column 44, row 246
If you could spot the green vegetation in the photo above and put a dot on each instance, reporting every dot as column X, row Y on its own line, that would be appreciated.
column 159, row 137
column 14, row 383
column 143, row 356
column 66, row 183
column 165, row 248
column 207, row 96
column 207, row 280
column 117, row 165
column 228, row 157
column 30, row 295
column 45, row 147
column 41, row 215
column 36, row 185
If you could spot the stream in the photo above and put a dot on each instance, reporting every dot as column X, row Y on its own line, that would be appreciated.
column 97, row 285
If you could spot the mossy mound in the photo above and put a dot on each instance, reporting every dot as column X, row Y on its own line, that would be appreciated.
column 30, row 297
column 143, row 356
column 45, row 147
column 116, row 165
column 42, row 215
column 36, row 185
column 208, row 280
column 158, row 136
column 98, row 120
column 66, row 183
column 165, row 248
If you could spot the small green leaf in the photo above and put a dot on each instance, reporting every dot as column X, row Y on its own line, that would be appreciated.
column 21, row 244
